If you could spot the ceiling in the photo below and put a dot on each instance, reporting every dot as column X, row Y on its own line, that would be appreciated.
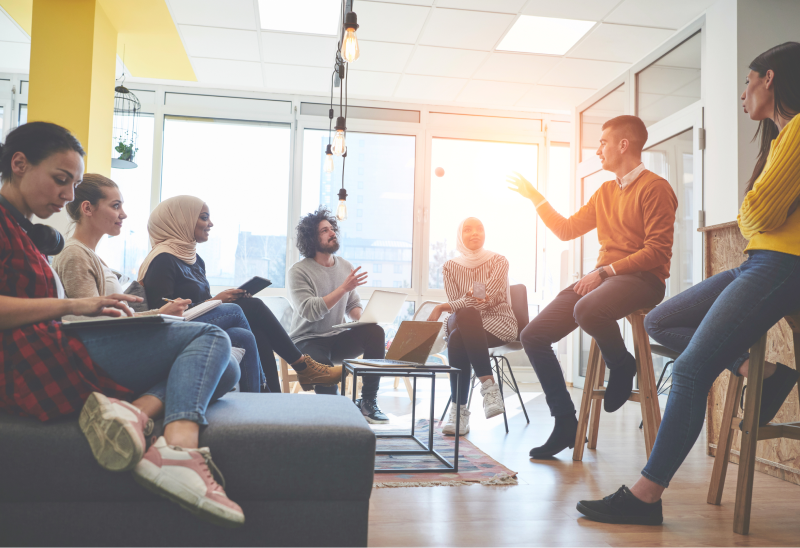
column 430, row 51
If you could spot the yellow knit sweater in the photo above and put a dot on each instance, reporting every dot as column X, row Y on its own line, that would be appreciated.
column 769, row 216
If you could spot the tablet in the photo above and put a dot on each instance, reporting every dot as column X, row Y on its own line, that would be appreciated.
column 255, row 284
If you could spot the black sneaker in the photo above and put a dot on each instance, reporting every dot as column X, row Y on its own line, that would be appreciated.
column 622, row 507
column 774, row 392
column 371, row 411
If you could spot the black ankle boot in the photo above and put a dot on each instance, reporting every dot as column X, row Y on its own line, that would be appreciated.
column 563, row 436
column 620, row 386
column 774, row 392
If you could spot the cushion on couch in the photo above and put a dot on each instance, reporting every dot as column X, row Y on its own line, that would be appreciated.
column 268, row 447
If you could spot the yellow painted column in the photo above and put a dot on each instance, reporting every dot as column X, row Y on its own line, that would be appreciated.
column 73, row 59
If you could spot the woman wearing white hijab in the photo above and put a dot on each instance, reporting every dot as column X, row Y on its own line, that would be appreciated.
column 475, row 325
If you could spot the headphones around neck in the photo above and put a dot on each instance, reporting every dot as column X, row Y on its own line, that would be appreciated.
column 47, row 239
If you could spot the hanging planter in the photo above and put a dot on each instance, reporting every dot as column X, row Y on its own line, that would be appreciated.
column 126, row 118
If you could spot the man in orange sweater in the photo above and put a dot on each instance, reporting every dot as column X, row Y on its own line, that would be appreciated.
column 634, row 215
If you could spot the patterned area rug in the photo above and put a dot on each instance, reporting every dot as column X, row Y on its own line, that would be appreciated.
column 474, row 466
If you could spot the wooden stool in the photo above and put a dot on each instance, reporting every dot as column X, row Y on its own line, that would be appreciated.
column 751, row 432
column 594, row 391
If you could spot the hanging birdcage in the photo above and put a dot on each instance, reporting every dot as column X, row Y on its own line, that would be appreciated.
column 126, row 118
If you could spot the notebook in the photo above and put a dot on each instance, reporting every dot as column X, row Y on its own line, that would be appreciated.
column 123, row 321
column 411, row 346
column 200, row 309
column 383, row 307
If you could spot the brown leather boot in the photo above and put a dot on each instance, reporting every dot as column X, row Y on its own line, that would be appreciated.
column 318, row 373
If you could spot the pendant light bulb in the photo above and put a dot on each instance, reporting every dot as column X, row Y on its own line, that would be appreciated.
column 339, row 146
column 328, row 160
column 350, row 44
column 341, row 211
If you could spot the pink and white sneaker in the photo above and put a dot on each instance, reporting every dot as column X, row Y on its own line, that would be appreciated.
column 115, row 430
column 185, row 476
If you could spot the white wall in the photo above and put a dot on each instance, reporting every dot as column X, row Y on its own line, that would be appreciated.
column 721, row 101
column 761, row 24
column 737, row 31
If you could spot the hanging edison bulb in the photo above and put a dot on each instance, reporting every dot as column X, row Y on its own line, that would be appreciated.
column 341, row 211
column 328, row 160
column 339, row 146
column 350, row 45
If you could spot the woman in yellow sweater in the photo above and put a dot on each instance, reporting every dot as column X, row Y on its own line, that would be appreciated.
column 714, row 323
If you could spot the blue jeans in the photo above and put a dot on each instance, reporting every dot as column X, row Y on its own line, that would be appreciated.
column 185, row 365
column 230, row 318
column 713, row 324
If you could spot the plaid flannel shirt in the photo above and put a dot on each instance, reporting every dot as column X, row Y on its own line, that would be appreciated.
column 44, row 372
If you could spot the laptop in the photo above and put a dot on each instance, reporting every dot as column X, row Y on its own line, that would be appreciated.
column 383, row 307
column 122, row 321
column 411, row 346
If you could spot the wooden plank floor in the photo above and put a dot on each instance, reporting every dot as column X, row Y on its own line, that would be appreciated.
column 540, row 511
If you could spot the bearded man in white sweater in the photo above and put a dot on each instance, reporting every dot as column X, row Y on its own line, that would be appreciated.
column 323, row 289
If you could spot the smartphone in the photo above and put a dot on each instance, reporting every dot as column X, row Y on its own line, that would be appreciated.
column 479, row 290
column 255, row 284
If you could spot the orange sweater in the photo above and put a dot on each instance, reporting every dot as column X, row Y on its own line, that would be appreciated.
column 634, row 226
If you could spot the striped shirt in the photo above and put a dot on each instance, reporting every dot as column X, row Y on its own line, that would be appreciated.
column 498, row 318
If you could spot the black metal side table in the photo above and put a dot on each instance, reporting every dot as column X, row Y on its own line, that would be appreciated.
column 430, row 371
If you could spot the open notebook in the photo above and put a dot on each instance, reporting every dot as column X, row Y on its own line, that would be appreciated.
column 104, row 321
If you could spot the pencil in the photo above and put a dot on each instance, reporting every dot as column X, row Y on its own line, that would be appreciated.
column 168, row 300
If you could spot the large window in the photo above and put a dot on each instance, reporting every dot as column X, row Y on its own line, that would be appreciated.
column 125, row 252
column 379, row 177
column 556, row 252
column 241, row 170
column 673, row 159
column 472, row 183
column 671, row 83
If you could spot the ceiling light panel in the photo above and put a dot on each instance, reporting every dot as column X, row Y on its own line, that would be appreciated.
column 301, row 16
column 533, row 34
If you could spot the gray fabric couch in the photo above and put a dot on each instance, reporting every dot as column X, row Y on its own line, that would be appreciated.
column 300, row 466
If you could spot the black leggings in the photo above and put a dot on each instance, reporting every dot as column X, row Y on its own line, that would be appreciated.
column 271, row 338
column 468, row 344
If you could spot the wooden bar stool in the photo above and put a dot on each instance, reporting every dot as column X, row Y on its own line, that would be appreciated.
column 594, row 391
column 751, row 432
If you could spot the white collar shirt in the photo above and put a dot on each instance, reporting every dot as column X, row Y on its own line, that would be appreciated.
column 630, row 177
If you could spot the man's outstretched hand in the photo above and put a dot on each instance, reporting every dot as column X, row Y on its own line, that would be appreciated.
column 524, row 188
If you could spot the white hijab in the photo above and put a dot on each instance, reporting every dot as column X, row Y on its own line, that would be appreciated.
column 474, row 258
column 468, row 257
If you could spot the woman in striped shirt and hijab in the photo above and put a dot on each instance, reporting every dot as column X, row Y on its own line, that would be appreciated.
column 475, row 324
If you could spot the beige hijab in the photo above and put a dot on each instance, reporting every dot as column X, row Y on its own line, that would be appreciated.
column 171, row 228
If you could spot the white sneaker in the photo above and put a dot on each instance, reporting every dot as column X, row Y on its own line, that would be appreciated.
column 115, row 430
column 492, row 399
column 185, row 476
column 449, row 428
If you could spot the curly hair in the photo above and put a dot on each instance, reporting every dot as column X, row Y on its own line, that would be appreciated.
column 308, row 230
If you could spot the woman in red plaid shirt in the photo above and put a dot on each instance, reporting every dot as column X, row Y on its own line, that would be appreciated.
column 46, row 372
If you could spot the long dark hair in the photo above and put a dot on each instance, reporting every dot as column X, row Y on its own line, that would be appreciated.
column 37, row 140
column 784, row 61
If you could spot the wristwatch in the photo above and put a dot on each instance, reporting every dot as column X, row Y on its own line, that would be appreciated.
column 603, row 273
